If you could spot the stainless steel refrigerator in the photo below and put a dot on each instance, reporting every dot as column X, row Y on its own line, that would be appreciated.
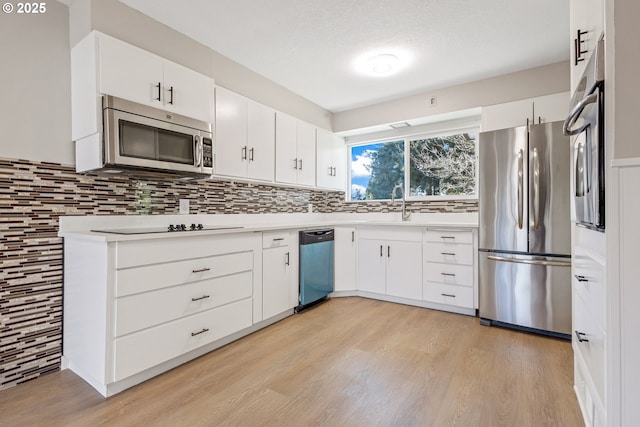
column 525, row 234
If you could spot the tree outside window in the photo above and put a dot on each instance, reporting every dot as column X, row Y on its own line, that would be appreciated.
column 442, row 165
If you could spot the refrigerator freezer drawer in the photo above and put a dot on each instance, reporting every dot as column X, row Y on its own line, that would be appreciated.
column 534, row 292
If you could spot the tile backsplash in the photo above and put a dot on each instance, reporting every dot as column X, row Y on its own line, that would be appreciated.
column 33, row 195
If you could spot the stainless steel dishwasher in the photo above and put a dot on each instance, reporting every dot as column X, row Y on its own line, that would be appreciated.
column 316, row 267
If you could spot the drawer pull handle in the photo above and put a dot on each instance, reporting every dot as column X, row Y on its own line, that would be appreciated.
column 448, row 237
column 279, row 239
column 193, row 334
column 447, row 253
column 581, row 336
column 448, row 295
column 201, row 270
column 201, row 298
column 580, row 278
column 448, row 274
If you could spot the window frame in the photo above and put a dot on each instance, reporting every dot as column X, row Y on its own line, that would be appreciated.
column 407, row 142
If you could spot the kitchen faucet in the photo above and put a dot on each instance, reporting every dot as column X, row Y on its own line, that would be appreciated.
column 405, row 215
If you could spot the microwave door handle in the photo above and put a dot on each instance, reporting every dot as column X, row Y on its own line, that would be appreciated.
column 536, row 189
column 520, row 189
column 198, row 144
column 574, row 115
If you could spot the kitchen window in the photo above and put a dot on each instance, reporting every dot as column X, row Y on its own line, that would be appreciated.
column 432, row 166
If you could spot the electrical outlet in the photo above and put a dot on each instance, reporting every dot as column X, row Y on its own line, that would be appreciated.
column 184, row 206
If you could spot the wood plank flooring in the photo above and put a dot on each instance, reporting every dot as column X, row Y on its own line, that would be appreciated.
column 347, row 362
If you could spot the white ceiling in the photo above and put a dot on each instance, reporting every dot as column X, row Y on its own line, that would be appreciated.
column 309, row 46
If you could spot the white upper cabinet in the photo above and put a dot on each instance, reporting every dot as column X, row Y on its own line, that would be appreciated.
column 261, row 140
column 245, row 137
column 101, row 64
column 132, row 73
column 295, row 151
column 128, row 72
column 586, row 26
column 330, row 161
column 231, row 133
column 187, row 92
column 542, row 109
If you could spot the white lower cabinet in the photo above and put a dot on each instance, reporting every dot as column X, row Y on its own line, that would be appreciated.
column 450, row 267
column 134, row 309
column 345, row 258
column 390, row 261
column 589, row 325
column 276, row 274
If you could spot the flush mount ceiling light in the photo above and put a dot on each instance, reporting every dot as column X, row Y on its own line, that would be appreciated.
column 381, row 64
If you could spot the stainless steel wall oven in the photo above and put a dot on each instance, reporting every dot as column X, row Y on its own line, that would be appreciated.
column 585, row 125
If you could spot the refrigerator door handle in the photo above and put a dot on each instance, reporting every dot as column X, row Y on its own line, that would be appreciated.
column 536, row 189
column 520, row 188
column 531, row 261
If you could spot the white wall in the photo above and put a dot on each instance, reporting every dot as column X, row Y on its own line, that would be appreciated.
column 35, row 104
column 538, row 81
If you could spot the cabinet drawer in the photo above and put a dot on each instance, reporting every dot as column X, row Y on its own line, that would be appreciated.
column 274, row 240
column 461, row 296
column 148, row 309
column 152, row 277
column 446, row 236
column 404, row 233
column 450, row 253
column 588, row 282
column 137, row 352
column 450, row 274
column 158, row 251
column 592, row 351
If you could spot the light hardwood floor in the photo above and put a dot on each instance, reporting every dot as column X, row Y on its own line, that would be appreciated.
column 347, row 362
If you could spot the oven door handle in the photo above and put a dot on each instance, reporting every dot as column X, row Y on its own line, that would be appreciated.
column 574, row 115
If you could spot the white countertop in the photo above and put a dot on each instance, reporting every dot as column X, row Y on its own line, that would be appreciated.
column 81, row 226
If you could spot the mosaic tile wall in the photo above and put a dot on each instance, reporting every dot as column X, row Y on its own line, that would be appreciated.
column 33, row 195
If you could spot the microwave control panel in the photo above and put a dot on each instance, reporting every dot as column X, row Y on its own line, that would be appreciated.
column 207, row 152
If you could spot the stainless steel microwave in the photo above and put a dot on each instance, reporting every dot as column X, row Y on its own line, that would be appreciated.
column 136, row 136
column 585, row 124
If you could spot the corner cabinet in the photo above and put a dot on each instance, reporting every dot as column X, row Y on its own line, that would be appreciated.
column 542, row 109
column 295, row 151
column 134, row 309
column 390, row 261
column 245, row 137
column 101, row 64
column 331, row 161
